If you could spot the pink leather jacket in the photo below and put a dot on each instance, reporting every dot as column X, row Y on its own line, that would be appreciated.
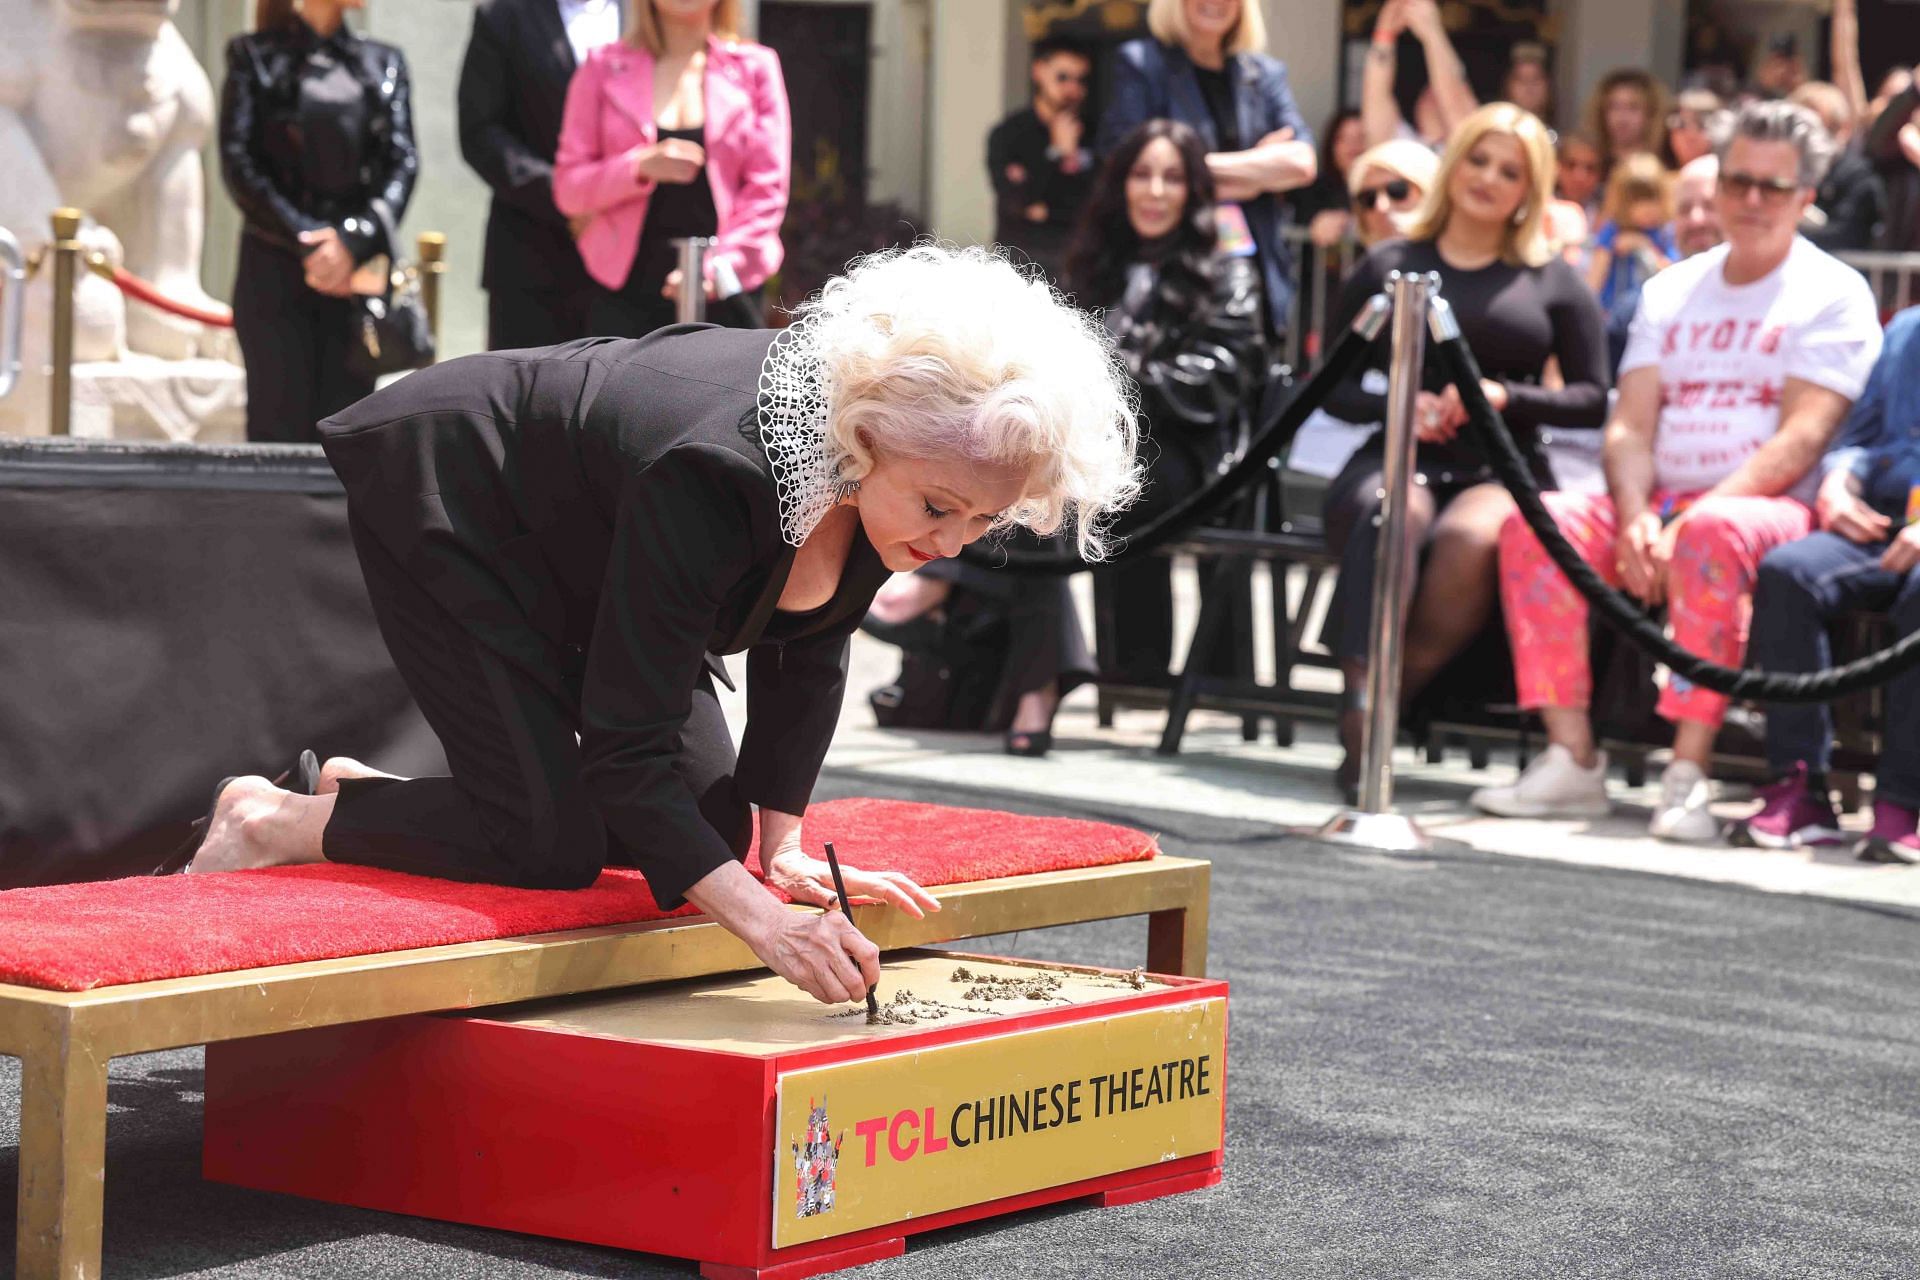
column 749, row 156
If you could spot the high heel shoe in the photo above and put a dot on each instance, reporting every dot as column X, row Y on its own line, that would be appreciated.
column 1032, row 743
column 303, row 780
column 922, row 631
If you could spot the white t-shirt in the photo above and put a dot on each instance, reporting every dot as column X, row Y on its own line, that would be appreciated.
column 590, row 24
column 1725, row 352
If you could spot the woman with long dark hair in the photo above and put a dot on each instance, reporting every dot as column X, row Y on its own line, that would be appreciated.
column 316, row 145
column 1186, row 316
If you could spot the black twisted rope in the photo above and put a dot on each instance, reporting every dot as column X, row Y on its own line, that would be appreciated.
column 1624, row 613
column 1203, row 504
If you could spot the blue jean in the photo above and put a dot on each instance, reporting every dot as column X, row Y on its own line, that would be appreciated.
column 1801, row 587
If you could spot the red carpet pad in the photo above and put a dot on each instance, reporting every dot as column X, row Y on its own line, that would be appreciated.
column 735, row 1122
column 79, row 936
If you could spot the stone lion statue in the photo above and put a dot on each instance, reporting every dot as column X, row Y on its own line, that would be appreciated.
column 104, row 107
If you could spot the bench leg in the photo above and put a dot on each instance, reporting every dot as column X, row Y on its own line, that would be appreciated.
column 63, row 1153
column 1177, row 938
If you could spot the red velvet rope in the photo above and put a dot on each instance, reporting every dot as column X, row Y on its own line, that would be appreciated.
column 134, row 287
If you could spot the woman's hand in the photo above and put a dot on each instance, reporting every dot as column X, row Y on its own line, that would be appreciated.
column 329, row 267
column 810, row 880
column 671, row 160
column 1636, row 556
column 1329, row 227
column 1437, row 416
column 823, row 955
column 671, row 289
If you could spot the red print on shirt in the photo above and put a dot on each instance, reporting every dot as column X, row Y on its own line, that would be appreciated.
column 1766, row 395
column 1722, row 335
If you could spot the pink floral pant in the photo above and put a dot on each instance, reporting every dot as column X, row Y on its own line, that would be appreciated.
column 1709, row 592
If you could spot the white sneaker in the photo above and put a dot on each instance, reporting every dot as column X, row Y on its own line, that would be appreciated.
column 1553, row 786
column 1683, row 815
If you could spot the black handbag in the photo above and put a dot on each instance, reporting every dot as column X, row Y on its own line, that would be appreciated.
column 393, row 333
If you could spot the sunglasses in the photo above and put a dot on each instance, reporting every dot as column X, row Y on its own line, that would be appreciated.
column 1772, row 190
column 1369, row 197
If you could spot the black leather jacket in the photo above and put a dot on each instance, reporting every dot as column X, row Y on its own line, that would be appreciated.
column 1196, row 374
column 317, row 131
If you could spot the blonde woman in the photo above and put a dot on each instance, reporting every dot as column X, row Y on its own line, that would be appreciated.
column 558, row 542
column 1205, row 66
column 1388, row 184
column 1519, row 305
column 678, row 129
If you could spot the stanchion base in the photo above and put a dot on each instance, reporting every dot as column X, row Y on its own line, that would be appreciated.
column 1392, row 832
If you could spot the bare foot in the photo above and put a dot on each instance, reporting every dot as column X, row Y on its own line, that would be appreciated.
column 235, row 839
column 338, row 767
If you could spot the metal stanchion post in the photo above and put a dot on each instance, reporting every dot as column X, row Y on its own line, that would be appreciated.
column 13, row 293
column 66, row 271
column 431, row 249
column 1374, row 825
column 692, row 307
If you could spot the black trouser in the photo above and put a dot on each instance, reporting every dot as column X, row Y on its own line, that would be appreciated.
column 1142, row 587
column 294, row 341
column 1801, row 587
column 518, row 318
column 515, row 811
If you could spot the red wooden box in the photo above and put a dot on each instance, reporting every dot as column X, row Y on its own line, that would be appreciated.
column 735, row 1122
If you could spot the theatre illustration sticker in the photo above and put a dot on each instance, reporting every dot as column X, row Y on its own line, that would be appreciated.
column 814, row 1161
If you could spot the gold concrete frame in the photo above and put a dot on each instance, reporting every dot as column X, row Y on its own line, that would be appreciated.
column 65, row 1039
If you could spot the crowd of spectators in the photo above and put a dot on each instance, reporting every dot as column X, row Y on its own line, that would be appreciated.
column 1661, row 268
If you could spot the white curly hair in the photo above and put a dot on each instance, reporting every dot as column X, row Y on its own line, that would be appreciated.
column 949, row 353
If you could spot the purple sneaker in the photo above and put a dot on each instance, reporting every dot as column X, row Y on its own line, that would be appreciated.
column 1893, row 838
column 1791, row 817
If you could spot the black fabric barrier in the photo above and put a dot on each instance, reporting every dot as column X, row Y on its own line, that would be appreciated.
column 1625, row 613
column 170, row 615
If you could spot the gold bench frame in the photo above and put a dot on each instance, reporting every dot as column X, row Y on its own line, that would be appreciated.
column 65, row 1039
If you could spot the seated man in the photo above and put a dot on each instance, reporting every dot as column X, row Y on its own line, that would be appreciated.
column 1741, row 363
column 1864, row 557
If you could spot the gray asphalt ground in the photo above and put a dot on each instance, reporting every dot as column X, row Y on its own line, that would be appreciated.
column 1459, row 1066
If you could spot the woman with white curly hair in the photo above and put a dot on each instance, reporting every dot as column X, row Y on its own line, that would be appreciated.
column 559, row 543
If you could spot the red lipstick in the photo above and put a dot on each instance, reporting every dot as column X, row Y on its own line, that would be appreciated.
column 920, row 555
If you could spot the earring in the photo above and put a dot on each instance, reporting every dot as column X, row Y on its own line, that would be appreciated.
column 845, row 490
column 1520, row 216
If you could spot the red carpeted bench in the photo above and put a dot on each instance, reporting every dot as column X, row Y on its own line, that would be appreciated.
column 90, row 972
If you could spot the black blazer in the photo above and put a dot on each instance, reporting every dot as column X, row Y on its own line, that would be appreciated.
column 317, row 131
column 513, row 91
column 619, row 490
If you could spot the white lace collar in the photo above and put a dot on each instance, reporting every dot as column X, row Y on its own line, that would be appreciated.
column 793, row 399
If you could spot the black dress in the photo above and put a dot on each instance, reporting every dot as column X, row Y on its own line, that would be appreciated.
column 1514, row 318
column 315, row 131
column 675, row 210
column 558, row 542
